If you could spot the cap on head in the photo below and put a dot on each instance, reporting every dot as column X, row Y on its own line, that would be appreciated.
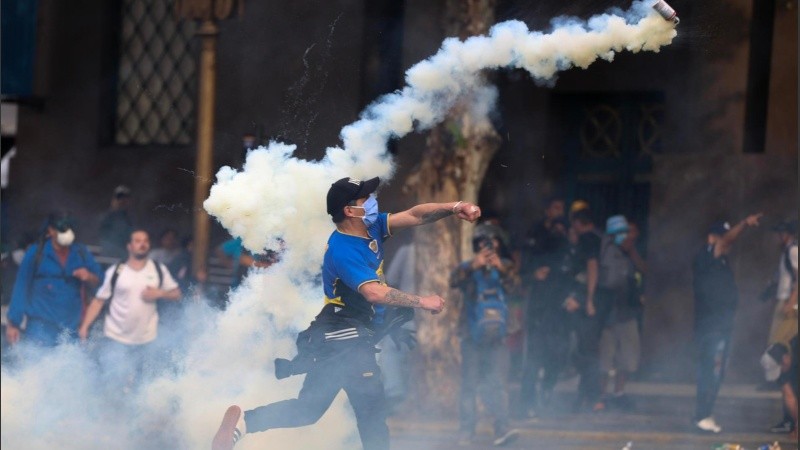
column 578, row 205
column 616, row 224
column 345, row 191
column 61, row 221
column 122, row 191
column 719, row 228
column 787, row 226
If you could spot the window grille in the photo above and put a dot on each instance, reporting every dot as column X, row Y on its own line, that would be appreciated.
column 601, row 132
column 156, row 84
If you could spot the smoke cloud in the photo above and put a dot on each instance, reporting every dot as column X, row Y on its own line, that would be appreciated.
column 278, row 201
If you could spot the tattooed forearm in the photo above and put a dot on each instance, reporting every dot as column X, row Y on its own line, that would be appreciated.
column 400, row 298
column 433, row 216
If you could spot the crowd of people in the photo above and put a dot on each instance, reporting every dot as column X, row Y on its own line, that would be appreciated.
column 573, row 291
column 57, row 289
column 582, row 292
column 62, row 294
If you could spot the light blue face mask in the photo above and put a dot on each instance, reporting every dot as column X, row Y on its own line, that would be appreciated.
column 620, row 238
column 370, row 208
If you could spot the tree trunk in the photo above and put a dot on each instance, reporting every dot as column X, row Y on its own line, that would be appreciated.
column 459, row 152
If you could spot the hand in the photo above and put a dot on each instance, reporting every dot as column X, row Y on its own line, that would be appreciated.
column 541, row 273
column 590, row 309
column 432, row 303
column 481, row 260
column 789, row 308
column 12, row 334
column 467, row 211
column 151, row 294
column 494, row 260
column 82, row 274
column 752, row 220
column 571, row 305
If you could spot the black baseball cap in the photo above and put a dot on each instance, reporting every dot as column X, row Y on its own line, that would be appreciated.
column 122, row 191
column 787, row 226
column 719, row 228
column 346, row 190
column 61, row 221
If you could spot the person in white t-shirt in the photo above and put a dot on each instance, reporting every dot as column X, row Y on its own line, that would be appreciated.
column 132, row 289
column 784, row 317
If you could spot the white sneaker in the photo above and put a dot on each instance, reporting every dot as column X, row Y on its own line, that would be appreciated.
column 505, row 437
column 709, row 425
column 230, row 430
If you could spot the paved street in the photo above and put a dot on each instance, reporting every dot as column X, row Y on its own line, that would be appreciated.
column 660, row 421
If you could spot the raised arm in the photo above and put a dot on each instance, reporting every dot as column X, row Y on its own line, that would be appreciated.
column 730, row 237
column 431, row 212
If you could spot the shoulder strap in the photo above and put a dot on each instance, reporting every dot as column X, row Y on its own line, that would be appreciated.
column 82, row 252
column 160, row 273
column 107, row 303
column 37, row 260
column 114, row 278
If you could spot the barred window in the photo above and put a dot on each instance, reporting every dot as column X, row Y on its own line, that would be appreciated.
column 156, row 84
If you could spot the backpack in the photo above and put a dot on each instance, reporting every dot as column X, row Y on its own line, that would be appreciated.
column 615, row 269
column 488, row 321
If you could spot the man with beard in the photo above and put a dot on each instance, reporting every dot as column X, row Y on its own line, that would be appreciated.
column 338, row 350
column 131, row 290
column 53, row 277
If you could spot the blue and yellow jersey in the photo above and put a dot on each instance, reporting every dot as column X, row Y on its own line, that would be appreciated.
column 350, row 261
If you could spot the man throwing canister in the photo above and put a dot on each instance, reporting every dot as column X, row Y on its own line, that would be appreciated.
column 337, row 351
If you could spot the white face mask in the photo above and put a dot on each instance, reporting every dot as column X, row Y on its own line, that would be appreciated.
column 65, row 238
column 17, row 255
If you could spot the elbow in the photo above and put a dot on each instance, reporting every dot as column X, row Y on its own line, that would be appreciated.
column 373, row 292
column 374, row 298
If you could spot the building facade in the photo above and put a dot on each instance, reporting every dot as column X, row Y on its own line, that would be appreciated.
column 659, row 137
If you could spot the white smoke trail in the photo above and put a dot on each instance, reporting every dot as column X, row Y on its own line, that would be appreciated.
column 228, row 356
column 268, row 185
